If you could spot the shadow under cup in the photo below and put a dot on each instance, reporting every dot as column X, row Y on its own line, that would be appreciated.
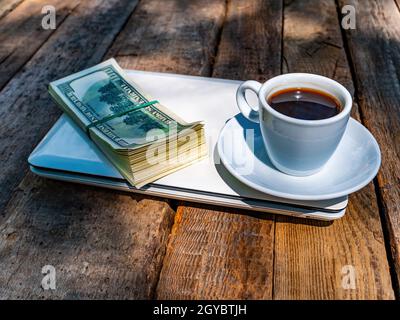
column 296, row 146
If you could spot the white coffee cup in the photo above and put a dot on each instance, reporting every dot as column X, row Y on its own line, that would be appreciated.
column 295, row 146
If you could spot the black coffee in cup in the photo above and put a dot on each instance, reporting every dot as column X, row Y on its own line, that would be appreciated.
column 305, row 103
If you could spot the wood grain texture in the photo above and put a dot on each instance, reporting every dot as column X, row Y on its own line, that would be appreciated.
column 250, row 46
column 375, row 52
column 309, row 257
column 21, row 33
column 103, row 244
column 228, row 254
column 6, row 6
column 27, row 111
column 175, row 36
column 139, row 242
column 218, row 255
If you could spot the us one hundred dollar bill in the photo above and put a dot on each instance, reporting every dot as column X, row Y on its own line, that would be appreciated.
column 125, row 122
column 94, row 93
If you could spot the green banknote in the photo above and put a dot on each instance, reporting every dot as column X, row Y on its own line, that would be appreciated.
column 141, row 137
column 104, row 90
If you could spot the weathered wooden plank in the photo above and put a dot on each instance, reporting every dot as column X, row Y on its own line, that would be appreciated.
column 309, row 257
column 228, row 254
column 251, row 41
column 21, row 34
column 8, row 5
column 102, row 243
column 174, row 36
column 27, row 111
column 375, row 53
column 212, row 254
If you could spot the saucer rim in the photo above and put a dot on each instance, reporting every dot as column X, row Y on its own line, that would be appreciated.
column 292, row 196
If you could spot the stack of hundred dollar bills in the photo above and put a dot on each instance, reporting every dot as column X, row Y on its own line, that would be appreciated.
column 142, row 138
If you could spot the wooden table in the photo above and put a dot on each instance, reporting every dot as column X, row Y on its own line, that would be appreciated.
column 108, row 244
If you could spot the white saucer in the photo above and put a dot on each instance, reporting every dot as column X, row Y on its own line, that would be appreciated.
column 353, row 165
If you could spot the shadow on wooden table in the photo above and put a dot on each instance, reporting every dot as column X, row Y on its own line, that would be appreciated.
column 254, row 214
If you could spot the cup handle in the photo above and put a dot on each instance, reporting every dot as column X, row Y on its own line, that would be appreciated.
column 244, row 107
